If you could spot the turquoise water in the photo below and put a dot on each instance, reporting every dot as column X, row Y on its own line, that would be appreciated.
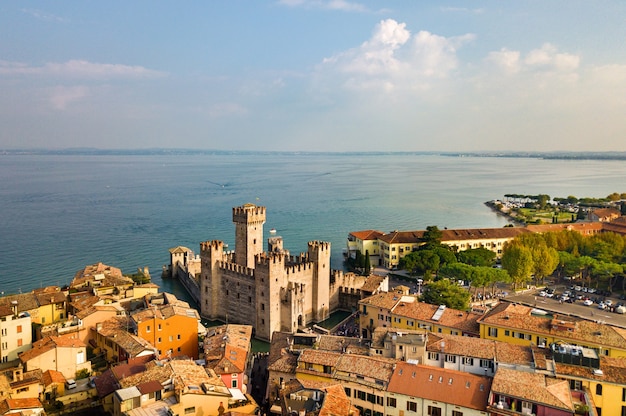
column 60, row 213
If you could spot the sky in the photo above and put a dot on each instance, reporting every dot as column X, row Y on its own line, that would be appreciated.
column 314, row 75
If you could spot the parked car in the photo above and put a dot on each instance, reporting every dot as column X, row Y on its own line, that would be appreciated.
column 620, row 309
column 601, row 305
column 70, row 383
column 588, row 302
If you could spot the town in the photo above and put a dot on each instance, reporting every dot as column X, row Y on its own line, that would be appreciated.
column 494, row 335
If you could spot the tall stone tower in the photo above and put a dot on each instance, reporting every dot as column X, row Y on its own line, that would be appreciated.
column 249, row 220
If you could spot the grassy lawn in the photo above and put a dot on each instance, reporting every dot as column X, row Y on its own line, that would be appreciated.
column 545, row 216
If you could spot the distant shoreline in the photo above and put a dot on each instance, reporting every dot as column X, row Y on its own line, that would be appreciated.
column 610, row 156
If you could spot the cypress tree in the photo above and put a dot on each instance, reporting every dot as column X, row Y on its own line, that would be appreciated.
column 368, row 266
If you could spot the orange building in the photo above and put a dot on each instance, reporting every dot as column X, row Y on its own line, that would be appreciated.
column 171, row 328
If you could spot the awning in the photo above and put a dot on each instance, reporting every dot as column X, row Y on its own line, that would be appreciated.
column 237, row 394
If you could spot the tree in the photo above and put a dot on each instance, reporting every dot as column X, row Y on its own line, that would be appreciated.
column 604, row 271
column 445, row 292
column 477, row 257
column 368, row 265
column 432, row 235
column 545, row 261
column 517, row 260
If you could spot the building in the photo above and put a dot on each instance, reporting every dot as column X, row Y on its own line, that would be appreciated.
column 270, row 290
column 516, row 324
column 423, row 390
column 21, row 407
column 365, row 241
column 400, row 310
column 66, row 355
column 15, row 332
column 172, row 328
column 227, row 353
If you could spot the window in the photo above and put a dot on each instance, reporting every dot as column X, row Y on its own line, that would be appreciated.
column 467, row 361
column 485, row 363
column 148, row 328
column 190, row 410
column 433, row 356
column 450, row 358
column 391, row 402
column 171, row 338
column 263, row 306
column 623, row 394
column 348, row 391
column 360, row 394
column 19, row 342
column 599, row 389
column 4, row 332
column 233, row 383
column 80, row 357
column 159, row 327
column 19, row 329
column 493, row 332
column 178, row 336
column 371, row 398
column 411, row 406
column 434, row 411
column 457, row 413
column 507, row 333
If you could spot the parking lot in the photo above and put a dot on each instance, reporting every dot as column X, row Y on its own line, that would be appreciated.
column 573, row 304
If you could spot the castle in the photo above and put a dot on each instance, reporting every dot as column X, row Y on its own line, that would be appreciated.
column 270, row 290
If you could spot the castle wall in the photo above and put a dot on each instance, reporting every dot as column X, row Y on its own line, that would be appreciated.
column 249, row 220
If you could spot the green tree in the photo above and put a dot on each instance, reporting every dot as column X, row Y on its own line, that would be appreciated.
column 477, row 257
column 517, row 260
column 432, row 235
column 545, row 261
column 445, row 292
column 368, row 265
column 605, row 271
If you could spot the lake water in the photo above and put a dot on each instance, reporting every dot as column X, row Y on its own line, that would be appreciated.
column 60, row 213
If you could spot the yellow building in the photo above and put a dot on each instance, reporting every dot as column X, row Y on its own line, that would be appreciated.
column 515, row 324
column 52, row 304
column 400, row 310
column 365, row 241
column 66, row 355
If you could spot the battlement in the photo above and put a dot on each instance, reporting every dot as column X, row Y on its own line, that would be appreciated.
column 298, row 268
column 211, row 245
column 272, row 257
column 249, row 213
column 236, row 268
column 319, row 245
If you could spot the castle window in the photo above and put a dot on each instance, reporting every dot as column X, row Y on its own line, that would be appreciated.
column 263, row 306
column 227, row 292
column 249, row 299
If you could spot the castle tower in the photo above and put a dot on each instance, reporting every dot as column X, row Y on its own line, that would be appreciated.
column 211, row 291
column 319, row 254
column 249, row 220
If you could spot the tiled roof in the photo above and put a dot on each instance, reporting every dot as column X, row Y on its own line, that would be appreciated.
column 48, row 298
column 519, row 317
column 387, row 300
column 16, row 404
column 165, row 312
column 372, row 283
column 149, row 387
column 153, row 370
column 25, row 301
column 460, row 345
column 52, row 376
column 280, row 359
column 376, row 368
column 106, row 383
column 448, row 236
column 49, row 343
column 441, row 385
column 179, row 249
column 312, row 356
column 106, row 275
column 533, row 387
column 336, row 403
column 399, row 237
column 613, row 370
column 367, row 234
column 451, row 318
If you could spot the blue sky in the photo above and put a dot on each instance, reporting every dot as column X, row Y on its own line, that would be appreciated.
column 314, row 75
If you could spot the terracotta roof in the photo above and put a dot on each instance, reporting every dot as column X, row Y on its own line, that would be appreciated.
column 149, row 387
column 326, row 358
column 460, row 345
column 519, row 317
column 12, row 405
column 47, row 298
column 441, row 385
column 336, row 403
column 106, row 383
column 533, row 387
column 52, row 376
column 448, row 236
column 398, row 237
column 372, row 283
column 367, row 234
column 49, row 343
column 376, row 368
column 25, row 301
column 387, row 300
column 581, row 227
column 451, row 318
column 106, row 275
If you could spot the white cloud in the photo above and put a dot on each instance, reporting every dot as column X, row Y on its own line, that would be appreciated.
column 394, row 59
column 79, row 69
column 505, row 59
column 61, row 97
column 548, row 57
